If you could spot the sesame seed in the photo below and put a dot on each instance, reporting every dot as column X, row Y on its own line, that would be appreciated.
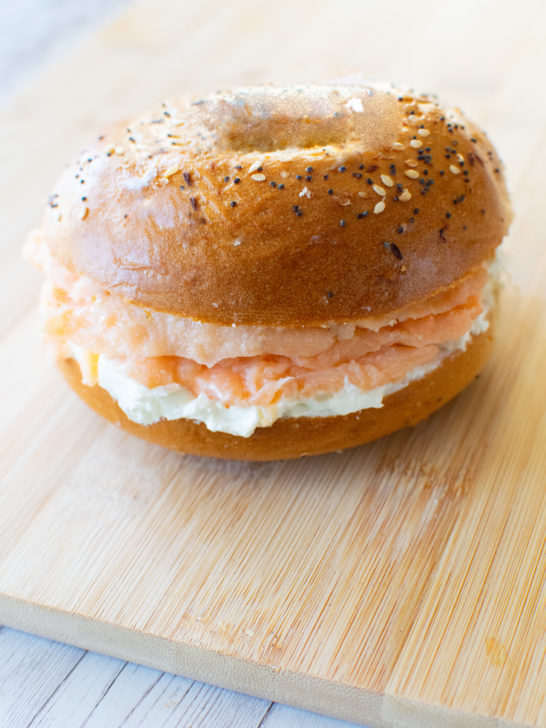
column 255, row 166
column 453, row 169
column 398, row 145
column 258, row 177
column 396, row 250
column 330, row 191
column 448, row 215
column 342, row 223
column 305, row 193
column 187, row 178
column 386, row 180
column 357, row 175
column 171, row 170
column 233, row 203
column 236, row 180
column 415, row 143
column 281, row 186
column 226, row 179
column 380, row 190
column 362, row 214
column 119, row 150
column 273, row 184
column 411, row 173
column 299, row 176
column 326, row 176
column 362, row 194
column 309, row 178
column 423, row 132
column 405, row 196
column 194, row 203
column 379, row 207
column 342, row 168
column 309, row 169
column 84, row 212
column 411, row 162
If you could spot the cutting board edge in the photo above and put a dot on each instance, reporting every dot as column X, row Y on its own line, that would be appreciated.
column 306, row 692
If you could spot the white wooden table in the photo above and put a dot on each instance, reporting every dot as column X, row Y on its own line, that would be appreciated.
column 44, row 683
column 48, row 684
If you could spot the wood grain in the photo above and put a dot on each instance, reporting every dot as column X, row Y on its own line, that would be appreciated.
column 399, row 584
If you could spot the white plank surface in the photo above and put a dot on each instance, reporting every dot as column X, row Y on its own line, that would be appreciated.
column 46, row 684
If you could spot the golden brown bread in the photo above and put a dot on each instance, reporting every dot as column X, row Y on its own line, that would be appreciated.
column 282, row 206
column 294, row 437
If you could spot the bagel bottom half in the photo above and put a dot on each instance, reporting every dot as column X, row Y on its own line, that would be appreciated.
column 298, row 436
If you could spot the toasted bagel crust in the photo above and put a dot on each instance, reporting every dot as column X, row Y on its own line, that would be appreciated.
column 284, row 206
column 294, row 437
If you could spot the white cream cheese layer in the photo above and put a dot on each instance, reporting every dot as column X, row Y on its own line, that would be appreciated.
column 172, row 402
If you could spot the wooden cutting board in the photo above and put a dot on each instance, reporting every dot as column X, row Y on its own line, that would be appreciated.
column 399, row 584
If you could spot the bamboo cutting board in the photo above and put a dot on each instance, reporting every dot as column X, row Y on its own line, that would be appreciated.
column 399, row 584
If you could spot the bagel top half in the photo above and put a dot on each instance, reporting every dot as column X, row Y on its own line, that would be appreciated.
column 282, row 206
